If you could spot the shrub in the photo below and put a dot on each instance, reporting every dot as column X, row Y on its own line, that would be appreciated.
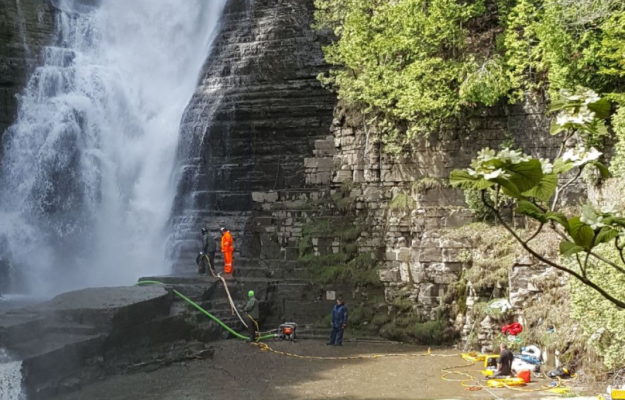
column 402, row 202
column 430, row 332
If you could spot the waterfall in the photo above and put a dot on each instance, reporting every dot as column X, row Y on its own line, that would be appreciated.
column 10, row 378
column 86, row 186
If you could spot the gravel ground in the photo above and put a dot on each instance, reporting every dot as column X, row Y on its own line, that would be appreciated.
column 241, row 371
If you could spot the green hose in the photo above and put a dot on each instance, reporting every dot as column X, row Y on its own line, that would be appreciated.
column 209, row 315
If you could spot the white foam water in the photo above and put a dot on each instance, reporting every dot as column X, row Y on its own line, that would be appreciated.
column 85, row 180
column 10, row 378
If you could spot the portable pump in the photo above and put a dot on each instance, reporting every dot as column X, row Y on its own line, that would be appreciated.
column 288, row 331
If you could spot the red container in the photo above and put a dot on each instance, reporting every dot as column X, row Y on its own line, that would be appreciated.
column 526, row 375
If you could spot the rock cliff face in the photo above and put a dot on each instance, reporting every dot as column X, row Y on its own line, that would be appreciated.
column 25, row 26
column 264, row 152
column 407, row 211
column 261, row 153
column 253, row 119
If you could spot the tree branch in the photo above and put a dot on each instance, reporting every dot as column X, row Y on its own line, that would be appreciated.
column 586, row 264
column 581, row 266
column 620, row 249
column 583, row 279
column 540, row 228
column 561, row 190
column 610, row 263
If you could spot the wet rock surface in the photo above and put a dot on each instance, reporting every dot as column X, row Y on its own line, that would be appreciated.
column 254, row 118
column 82, row 336
column 77, row 336
column 25, row 27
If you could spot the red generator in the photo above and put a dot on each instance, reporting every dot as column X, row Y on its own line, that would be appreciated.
column 288, row 331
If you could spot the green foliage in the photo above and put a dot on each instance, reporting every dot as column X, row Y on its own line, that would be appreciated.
column 345, row 266
column 602, row 323
column 529, row 180
column 485, row 84
column 618, row 124
column 532, row 183
column 563, row 42
column 413, row 65
column 494, row 253
column 480, row 212
column 430, row 332
column 404, row 62
column 427, row 183
column 344, row 202
column 518, row 42
column 402, row 202
column 410, row 328
column 483, row 309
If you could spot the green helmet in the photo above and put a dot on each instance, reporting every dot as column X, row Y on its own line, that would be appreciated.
column 250, row 293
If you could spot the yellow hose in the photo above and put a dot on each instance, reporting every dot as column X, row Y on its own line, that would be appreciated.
column 232, row 306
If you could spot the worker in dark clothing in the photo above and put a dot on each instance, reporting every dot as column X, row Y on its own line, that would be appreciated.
column 504, row 362
column 253, row 314
column 339, row 323
column 209, row 247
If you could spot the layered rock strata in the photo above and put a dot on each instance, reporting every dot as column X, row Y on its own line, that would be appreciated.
column 408, row 208
column 25, row 27
column 254, row 118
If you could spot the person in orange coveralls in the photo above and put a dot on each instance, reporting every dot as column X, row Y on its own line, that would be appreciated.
column 227, row 248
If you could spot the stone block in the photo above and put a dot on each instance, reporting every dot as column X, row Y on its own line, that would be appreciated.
column 404, row 272
column 417, row 271
column 452, row 254
column 311, row 162
column 404, row 254
column 342, row 176
column 389, row 275
column 430, row 254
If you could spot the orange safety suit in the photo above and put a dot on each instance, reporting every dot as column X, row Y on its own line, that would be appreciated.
column 227, row 248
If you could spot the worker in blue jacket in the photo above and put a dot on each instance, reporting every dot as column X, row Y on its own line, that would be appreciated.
column 339, row 323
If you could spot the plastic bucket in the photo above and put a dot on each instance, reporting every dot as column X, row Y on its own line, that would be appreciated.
column 526, row 375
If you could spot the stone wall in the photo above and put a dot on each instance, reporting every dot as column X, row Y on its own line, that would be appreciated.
column 25, row 26
column 408, row 208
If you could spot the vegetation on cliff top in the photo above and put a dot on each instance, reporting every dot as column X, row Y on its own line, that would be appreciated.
column 413, row 65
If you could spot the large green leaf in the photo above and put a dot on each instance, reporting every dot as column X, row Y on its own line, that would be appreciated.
column 461, row 178
column 603, row 170
column 581, row 233
column 601, row 108
column 545, row 189
column 555, row 128
column 560, row 104
column 615, row 221
column 560, row 167
column 495, row 163
column 508, row 188
column 606, row 234
column 531, row 210
column 597, row 128
column 568, row 249
column 559, row 218
column 526, row 175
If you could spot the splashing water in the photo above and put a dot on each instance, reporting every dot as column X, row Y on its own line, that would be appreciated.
column 10, row 378
column 85, row 180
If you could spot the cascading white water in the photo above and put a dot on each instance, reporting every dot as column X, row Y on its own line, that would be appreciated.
column 85, row 188
column 10, row 378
